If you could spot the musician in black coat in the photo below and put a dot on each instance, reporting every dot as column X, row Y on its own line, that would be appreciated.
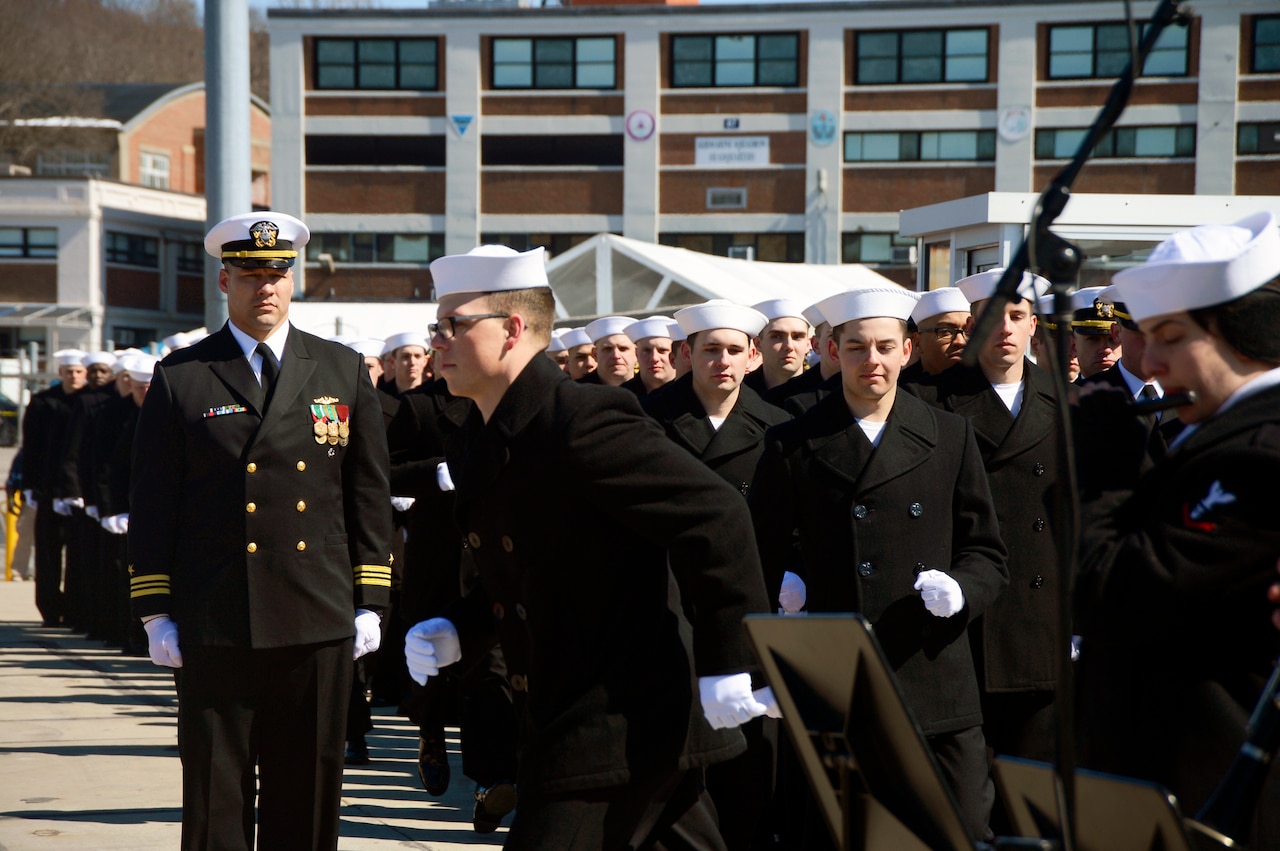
column 259, row 542
column 590, row 605
column 879, row 503
column 1177, row 635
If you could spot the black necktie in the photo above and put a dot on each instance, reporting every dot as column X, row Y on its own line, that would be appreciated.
column 270, row 369
column 1149, row 394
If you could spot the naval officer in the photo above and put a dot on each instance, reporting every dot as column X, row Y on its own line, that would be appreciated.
column 259, row 543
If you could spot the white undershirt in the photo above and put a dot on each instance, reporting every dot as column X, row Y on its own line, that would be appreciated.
column 716, row 422
column 1011, row 395
column 248, row 345
column 873, row 430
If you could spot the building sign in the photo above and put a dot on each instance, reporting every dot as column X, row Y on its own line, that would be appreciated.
column 731, row 151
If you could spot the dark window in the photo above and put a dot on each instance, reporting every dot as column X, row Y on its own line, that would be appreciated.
column 420, row 248
column 28, row 242
column 913, row 146
column 922, row 56
column 1258, row 138
column 190, row 256
column 1119, row 142
column 554, row 63
column 773, row 247
column 1266, row 44
column 551, row 150
column 1102, row 50
column 377, row 63
column 133, row 249
column 375, row 150
column 133, row 337
column 771, row 59
column 887, row 249
column 555, row 243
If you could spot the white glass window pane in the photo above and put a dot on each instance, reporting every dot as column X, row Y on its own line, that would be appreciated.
column 853, row 147
column 880, row 146
column 1156, row 142
column 512, row 50
column 377, row 76
column 595, row 50
column 1072, row 39
column 1066, row 142
column 512, row 76
column 412, row 248
column 967, row 42
column 11, row 242
column 735, row 47
column 876, row 248
column 1166, row 63
column 1070, row 65
column 1172, row 38
column 958, row 146
column 928, row 146
column 46, row 237
column 737, row 73
column 966, row 68
column 595, row 76
column 336, row 77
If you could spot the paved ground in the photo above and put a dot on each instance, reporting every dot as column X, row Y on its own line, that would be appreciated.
column 88, row 757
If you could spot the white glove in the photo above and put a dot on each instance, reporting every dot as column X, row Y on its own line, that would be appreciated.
column 116, row 524
column 74, row 503
column 1076, row 641
column 162, row 642
column 765, row 696
column 29, row 499
column 92, row 511
column 443, row 479
column 431, row 645
column 402, row 503
column 727, row 700
column 368, row 635
column 793, row 594
column 60, row 506
column 941, row 594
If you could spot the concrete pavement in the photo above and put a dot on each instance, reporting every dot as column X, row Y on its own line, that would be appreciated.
column 88, row 755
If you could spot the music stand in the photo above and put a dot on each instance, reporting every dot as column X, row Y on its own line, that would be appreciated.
column 868, row 764
column 1112, row 813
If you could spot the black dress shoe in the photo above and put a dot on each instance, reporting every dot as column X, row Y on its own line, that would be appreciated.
column 357, row 753
column 433, row 765
column 492, row 803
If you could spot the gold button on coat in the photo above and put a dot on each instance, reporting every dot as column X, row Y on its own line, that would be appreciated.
column 253, row 548
column 302, row 506
column 519, row 682
column 251, row 507
column 302, row 545
column 474, row 540
column 252, row 467
column 302, row 465
column 507, row 544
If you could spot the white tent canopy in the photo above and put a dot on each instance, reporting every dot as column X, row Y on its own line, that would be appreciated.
column 611, row 274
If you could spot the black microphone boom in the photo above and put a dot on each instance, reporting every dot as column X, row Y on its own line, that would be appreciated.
column 1168, row 402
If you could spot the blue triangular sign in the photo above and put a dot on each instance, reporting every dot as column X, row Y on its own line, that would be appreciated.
column 461, row 123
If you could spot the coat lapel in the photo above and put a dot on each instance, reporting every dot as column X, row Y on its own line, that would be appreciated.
column 909, row 437
column 295, row 371
column 232, row 369
column 1035, row 418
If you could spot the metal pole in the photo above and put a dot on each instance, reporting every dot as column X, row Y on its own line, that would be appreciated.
column 227, row 151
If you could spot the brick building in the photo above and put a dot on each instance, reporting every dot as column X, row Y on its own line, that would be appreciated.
column 791, row 132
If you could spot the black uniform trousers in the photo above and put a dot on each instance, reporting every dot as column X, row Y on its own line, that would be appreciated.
column 49, row 541
column 661, row 813
column 283, row 710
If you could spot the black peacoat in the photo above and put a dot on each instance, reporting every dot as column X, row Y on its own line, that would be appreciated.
column 857, row 523
column 243, row 528
column 588, row 602
column 734, row 449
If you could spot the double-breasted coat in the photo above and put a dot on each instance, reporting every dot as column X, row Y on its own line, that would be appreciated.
column 857, row 523
column 589, row 603
column 734, row 449
column 1172, row 600
column 244, row 529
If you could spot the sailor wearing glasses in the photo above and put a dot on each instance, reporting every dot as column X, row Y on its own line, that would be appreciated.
column 941, row 318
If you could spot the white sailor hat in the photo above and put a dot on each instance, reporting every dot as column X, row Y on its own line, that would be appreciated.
column 1044, row 307
column 814, row 315
column 607, row 326
column 261, row 240
column 983, row 285
column 780, row 308
column 720, row 313
column 195, row 335
column 1090, row 313
column 677, row 334
column 556, row 344
column 934, row 302
column 105, row 358
column 1202, row 267
column 574, row 337
column 69, row 357
column 489, row 269
column 867, row 302
column 176, row 341
column 140, row 366
column 368, row 347
column 406, row 338
column 650, row 326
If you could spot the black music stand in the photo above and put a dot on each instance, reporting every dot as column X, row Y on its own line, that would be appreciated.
column 1112, row 813
column 870, row 768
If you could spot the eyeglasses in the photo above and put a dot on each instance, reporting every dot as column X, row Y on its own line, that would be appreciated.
column 945, row 333
column 447, row 326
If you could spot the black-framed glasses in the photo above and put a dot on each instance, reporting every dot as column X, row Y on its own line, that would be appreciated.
column 447, row 326
column 945, row 333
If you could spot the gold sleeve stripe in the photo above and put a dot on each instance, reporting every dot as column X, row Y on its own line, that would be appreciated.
column 372, row 574
column 145, row 586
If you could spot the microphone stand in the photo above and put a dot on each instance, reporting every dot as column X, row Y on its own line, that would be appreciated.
column 1058, row 260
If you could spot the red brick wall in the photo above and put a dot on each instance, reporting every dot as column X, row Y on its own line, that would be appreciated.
column 1090, row 94
column 735, row 102
column 1146, row 179
column 768, row 190
column 133, row 288
column 190, row 294
column 33, row 282
column 430, row 106
column 375, row 192
column 170, row 131
column 552, row 105
column 368, row 284
column 882, row 190
column 551, row 192
column 1258, row 177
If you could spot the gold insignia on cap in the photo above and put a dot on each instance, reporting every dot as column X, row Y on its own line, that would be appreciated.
column 1105, row 309
column 264, row 234
column 325, row 400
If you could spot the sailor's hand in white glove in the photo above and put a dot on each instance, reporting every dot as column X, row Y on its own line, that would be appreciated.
column 116, row 524
column 92, row 511
column 75, row 502
column 431, row 645
column 162, row 642
column 402, row 503
column 727, row 700
column 793, row 595
column 368, row 634
column 941, row 594
column 60, row 506
column 443, row 479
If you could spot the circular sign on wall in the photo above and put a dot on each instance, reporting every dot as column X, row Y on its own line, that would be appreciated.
column 640, row 124
column 1014, row 123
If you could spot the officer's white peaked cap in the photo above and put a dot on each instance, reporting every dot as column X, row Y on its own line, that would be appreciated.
column 266, row 239
column 489, row 269
column 720, row 313
column 1202, row 267
column 891, row 301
